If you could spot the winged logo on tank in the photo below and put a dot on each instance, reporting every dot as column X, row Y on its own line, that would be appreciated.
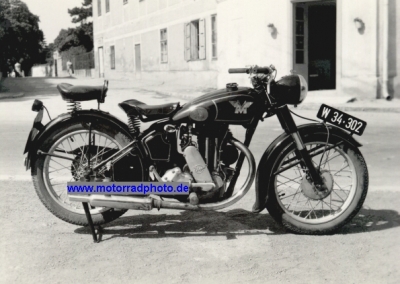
column 241, row 108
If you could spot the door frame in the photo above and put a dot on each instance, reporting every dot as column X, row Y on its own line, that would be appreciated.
column 140, row 58
column 291, row 15
column 101, row 60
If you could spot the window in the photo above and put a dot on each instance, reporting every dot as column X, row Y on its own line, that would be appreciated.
column 112, row 57
column 125, row 2
column 107, row 6
column 214, row 36
column 195, row 41
column 99, row 7
column 164, row 45
column 299, row 35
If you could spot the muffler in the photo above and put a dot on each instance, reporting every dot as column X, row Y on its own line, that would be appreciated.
column 115, row 201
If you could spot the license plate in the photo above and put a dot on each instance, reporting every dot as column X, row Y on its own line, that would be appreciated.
column 341, row 119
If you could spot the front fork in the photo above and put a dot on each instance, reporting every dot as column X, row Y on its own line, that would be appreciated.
column 288, row 124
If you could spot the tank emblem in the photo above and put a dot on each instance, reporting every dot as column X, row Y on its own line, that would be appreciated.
column 241, row 108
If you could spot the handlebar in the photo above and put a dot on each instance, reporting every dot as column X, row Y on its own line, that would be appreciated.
column 252, row 70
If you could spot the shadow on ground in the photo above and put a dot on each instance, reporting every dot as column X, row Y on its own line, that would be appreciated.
column 237, row 222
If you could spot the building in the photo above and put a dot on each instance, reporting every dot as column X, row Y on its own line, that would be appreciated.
column 341, row 47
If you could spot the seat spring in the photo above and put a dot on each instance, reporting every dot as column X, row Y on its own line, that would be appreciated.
column 74, row 106
column 134, row 124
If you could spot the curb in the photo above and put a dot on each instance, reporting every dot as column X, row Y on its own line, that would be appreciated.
column 11, row 95
column 352, row 108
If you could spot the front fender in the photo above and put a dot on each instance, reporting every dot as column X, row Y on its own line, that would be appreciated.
column 82, row 116
column 264, row 170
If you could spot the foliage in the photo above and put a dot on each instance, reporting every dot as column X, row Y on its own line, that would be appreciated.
column 20, row 36
column 82, row 35
column 81, row 13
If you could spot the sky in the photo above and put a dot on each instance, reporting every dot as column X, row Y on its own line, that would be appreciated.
column 53, row 15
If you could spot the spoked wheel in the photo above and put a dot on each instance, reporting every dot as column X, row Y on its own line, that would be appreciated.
column 294, row 201
column 51, row 173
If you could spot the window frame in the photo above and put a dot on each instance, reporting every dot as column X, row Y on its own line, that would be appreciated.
column 107, row 6
column 214, row 37
column 99, row 8
column 195, row 42
column 112, row 57
column 165, row 41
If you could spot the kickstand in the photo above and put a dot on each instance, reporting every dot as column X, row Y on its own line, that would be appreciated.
column 91, row 226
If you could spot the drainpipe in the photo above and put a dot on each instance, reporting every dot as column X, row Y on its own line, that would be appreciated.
column 385, row 49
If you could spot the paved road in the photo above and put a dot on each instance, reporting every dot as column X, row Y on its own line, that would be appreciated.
column 179, row 247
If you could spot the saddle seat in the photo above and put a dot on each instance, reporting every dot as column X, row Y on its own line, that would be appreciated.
column 73, row 93
column 148, row 112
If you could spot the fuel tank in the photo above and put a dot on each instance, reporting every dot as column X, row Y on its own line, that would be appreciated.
column 233, row 105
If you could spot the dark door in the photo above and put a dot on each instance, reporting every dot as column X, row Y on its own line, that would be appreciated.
column 322, row 46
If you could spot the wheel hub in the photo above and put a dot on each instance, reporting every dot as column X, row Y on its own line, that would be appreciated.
column 309, row 189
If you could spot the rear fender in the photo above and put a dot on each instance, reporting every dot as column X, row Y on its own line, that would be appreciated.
column 264, row 170
column 82, row 116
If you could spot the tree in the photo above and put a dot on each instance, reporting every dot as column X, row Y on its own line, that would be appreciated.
column 20, row 36
column 82, row 35
column 81, row 13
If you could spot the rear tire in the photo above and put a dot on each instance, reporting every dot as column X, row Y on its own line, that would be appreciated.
column 46, row 170
column 291, row 201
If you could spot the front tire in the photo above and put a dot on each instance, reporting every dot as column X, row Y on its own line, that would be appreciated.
column 291, row 197
column 51, row 174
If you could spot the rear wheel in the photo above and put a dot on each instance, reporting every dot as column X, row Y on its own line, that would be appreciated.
column 293, row 200
column 50, row 174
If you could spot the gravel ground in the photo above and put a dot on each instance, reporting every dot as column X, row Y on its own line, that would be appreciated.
column 171, row 246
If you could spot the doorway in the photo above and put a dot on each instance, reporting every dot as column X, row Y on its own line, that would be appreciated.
column 138, row 59
column 101, row 62
column 315, row 43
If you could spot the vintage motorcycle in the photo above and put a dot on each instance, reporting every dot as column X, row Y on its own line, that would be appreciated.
column 312, row 179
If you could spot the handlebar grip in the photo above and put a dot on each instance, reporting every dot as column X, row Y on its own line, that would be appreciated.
column 264, row 70
column 238, row 70
column 253, row 70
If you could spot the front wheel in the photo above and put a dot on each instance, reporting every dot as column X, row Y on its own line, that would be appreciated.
column 292, row 198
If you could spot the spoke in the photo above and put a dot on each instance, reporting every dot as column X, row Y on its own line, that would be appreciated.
column 58, row 184
column 286, row 182
column 330, row 206
column 338, row 196
column 62, row 169
column 341, row 189
column 290, row 195
column 297, row 202
column 308, row 201
column 290, row 179
column 326, row 160
column 51, row 159
column 333, row 158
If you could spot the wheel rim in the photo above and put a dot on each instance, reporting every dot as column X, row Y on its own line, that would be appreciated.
column 59, row 171
column 293, row 200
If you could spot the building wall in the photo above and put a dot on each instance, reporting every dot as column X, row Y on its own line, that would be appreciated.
column 245, row 39
column 140, row 23
column 358, row 73
column 394, row 48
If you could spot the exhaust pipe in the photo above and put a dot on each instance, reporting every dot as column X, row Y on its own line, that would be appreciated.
column 148, row 203
column 115, row 201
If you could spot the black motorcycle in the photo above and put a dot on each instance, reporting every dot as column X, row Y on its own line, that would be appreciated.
column 312, row 179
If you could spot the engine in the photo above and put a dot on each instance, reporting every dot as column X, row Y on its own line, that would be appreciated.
column 207, row 160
